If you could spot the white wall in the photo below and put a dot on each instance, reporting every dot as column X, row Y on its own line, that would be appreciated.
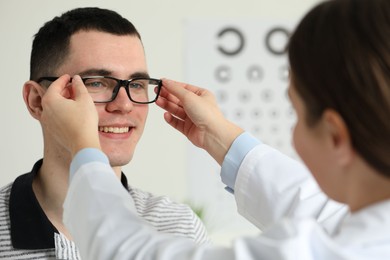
column 159, row 162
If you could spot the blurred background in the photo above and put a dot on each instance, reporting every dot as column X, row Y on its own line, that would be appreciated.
column 234, row 48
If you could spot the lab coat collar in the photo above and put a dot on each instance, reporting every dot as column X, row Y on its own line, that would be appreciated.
column 369, row 226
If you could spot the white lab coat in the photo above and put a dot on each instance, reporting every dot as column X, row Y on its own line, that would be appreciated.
column 269, row 187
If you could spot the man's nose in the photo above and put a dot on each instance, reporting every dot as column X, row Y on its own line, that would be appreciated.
column 121, row 102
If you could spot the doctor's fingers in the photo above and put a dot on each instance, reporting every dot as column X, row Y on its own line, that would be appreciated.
column 55, row 92
column 171, row 107
column 183, row 90
column 58, row 86
column 79, row 89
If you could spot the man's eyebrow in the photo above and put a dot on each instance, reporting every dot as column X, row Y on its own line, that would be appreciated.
column 103, row 72
column 139, row 75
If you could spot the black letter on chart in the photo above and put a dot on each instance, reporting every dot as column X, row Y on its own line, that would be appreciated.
column 274, row 50
column 236, row 33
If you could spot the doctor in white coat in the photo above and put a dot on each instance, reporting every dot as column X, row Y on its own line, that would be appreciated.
column 340, row 90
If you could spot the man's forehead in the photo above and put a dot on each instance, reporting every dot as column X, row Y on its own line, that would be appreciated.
column 97, row 38
column 94, row 50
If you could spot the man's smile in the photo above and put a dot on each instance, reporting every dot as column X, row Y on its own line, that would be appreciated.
column 113, row 129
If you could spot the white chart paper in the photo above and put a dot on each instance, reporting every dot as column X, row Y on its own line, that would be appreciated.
column 244, row 63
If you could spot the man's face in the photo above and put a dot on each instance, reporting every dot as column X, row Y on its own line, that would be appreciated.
column 121, row 122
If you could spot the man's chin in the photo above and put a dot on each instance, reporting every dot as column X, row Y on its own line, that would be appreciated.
column 116, row 163
column 117, row 155
column 119, row 162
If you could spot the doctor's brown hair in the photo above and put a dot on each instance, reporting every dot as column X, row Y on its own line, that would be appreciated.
column 340, row 59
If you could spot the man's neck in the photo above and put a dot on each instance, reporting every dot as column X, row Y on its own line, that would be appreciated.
column 50, row 186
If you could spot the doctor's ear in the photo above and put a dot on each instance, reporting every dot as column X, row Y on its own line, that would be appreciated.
column 339, row 136
column 32, row 95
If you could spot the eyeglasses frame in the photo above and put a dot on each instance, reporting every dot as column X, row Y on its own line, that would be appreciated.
column 120, row 83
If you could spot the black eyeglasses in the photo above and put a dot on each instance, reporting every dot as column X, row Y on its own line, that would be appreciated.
column 104, row 89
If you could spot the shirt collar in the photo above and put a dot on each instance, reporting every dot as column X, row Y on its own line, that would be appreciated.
column 30, row 227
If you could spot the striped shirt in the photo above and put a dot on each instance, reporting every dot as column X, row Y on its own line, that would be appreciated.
column 26, row 232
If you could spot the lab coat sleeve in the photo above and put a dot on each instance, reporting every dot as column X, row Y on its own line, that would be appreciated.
column 271, row 186
column 101, row 218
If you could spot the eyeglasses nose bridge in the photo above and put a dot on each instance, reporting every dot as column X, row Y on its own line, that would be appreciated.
column 122, row 83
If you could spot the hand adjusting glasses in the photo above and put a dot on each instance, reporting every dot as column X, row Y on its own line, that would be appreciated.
column 104, row 89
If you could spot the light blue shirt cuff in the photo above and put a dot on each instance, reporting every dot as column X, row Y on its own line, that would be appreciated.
column 85, row 156
column 233, row 159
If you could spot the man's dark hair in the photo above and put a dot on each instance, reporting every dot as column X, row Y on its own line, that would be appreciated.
column 51, row 43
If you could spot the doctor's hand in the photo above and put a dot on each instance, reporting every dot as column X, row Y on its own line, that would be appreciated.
column 194, row 112
column 69, row 114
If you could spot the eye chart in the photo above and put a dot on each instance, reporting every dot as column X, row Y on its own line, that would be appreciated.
column 244, row 63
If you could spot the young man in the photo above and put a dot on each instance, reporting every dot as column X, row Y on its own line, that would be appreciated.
column 102, row 47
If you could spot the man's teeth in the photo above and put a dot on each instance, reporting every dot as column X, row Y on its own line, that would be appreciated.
column 116, row 130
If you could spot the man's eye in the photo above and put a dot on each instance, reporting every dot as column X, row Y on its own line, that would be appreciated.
column 137, row 85
column 94, row 84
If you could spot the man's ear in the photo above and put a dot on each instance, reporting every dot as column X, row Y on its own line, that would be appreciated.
column 32, row 95
column 339, row 136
